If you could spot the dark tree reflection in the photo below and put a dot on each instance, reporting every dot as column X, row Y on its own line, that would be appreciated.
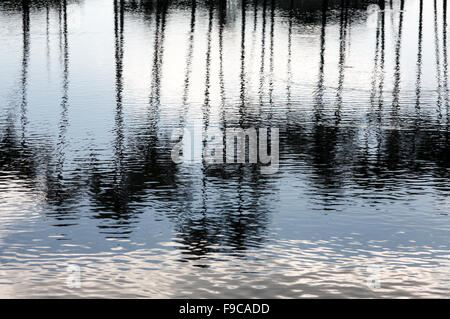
column 217, row 206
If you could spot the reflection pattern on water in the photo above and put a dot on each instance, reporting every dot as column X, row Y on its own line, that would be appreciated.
column 88, row 111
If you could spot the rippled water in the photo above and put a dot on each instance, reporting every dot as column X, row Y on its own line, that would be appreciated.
column 91, row 92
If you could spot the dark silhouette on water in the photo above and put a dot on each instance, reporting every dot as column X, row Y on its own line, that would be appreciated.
column 445, row 59
column 16, row 153
column 25, row 59
column 188, row 71
column 242, row 74
column 271, row 57
column 397, row 73
column 289, row 63
column 263, row 56
column 319, row 94
column 438, row 62
column 119, row 195
column 344, row 26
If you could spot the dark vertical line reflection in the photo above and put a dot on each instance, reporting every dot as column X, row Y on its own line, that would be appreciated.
column 382, row 58
column 263, row 56
column 206, row 104
column 397, row 73
column 375, row 73
column 60, row 28
column 320, row 90
column 255, row 15
column 438, row 61
column 188, row 71
column 240, row 198
column 419, row 59
column 382, row 77
column 342, row 58
column 271, row 55
column 289, row 61
column 222, row 21
column 65, row 98
column 47, row 34
column 445, row 52
column 155, row 94
column 207, row 100
column 119, row 129
column 417, row 118
column 242, row 58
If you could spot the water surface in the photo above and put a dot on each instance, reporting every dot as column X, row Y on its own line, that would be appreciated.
column 91, row 92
